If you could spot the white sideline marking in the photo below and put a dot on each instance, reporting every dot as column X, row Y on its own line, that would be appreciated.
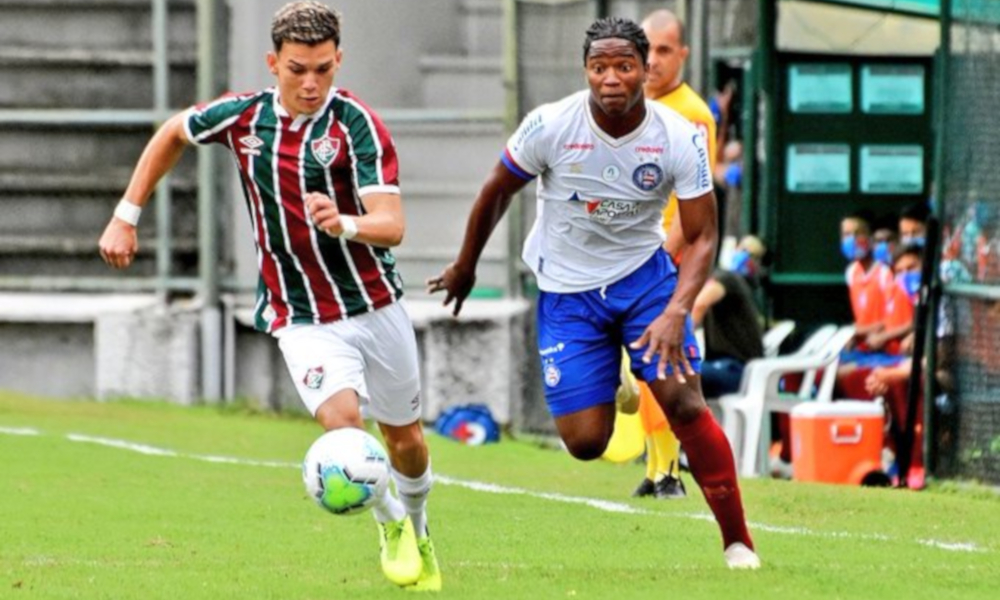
column 19, row 431
column 957, row 546
column 140, row 448
column 492, row 488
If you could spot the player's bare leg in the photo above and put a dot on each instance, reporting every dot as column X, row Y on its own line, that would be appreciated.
column 340, row 410
column 711, row 460
column 399, row 555
column 412, row 473
column 587, row 432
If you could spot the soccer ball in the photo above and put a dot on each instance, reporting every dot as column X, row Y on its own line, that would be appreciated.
column 345, row 470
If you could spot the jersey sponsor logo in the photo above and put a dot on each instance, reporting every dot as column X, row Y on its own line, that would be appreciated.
column 606, row 211
column 611, row 173
column 578, row 146
column 251, row 145
column 552, row 349
column 704, row 180
column 552, row 375
column 269, row 314
column 314, row 378
column 649, row 149
column 647, row 176
column 325, row 149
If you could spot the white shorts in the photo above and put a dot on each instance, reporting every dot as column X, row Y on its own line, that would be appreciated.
column 374, row 354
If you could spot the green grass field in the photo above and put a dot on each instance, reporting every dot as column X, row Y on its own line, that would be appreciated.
column 83, row 515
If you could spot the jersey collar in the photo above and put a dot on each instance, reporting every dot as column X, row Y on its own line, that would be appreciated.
column 303, row 118
column 613, row 141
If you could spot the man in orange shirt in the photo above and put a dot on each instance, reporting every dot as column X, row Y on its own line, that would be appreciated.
column 665, row 83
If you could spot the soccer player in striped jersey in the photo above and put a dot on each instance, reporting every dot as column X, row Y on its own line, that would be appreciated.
column 607, row 159
column 320, row 178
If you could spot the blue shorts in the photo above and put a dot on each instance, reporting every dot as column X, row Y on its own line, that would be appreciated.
column 863, row 358
column 581, row 335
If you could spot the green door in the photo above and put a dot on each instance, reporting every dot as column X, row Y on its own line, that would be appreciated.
column 851, row 133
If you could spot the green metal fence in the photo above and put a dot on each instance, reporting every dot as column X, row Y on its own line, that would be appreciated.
column 966, row 423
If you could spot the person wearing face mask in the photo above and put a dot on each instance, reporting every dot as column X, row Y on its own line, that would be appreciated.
column 867, row 279
column 913, row 224
column 894, row 338
column 891, row 381
column 884, row 243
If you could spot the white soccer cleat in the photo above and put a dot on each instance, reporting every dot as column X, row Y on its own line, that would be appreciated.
column 738, row 556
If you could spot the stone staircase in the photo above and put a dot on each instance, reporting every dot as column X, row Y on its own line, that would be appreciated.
column 75, row 113
column 61, row 174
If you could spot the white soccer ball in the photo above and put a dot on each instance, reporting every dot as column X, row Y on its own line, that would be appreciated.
column 345, row 470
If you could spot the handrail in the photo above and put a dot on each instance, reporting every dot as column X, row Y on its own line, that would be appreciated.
column 979, row 291
column 79, row 116
column 159, row 22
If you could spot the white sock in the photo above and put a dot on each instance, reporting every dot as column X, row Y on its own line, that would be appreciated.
column 388, row 508
column 413, row 494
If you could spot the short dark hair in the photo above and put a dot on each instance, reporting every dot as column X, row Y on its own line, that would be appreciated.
column 617, row 27
column 305, row 22
column 889, row 222
column 918, row 211
column 908, row 250
column 863, row 216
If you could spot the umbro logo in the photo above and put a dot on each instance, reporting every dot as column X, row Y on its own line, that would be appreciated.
column 251, row 145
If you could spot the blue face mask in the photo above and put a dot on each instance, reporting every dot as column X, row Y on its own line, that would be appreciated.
column 912, row 240
column 741, row 263
column 910, row 282
column 882, row 253
column 852, row 249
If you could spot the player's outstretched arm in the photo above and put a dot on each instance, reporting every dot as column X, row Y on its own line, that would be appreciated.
column 492, row 202
column 665, row 335
column 119, row 242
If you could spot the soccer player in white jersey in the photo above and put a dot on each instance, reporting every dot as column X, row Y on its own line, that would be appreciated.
column 607, row 159
column 320, row 176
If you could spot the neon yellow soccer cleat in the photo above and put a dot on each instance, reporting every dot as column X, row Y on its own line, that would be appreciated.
column 400, row 556
column 430, row 577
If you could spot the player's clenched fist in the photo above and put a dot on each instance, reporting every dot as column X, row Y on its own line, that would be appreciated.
column 324, row 213
column 118, row 244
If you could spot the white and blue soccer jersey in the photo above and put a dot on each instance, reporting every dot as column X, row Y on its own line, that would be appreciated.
column 601, row 199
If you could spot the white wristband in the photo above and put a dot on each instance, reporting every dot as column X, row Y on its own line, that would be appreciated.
column 350, row 227
column 128, row 212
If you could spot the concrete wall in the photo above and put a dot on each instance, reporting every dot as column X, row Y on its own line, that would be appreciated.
column 382, row 40
column 485, row 357
column 50, row 361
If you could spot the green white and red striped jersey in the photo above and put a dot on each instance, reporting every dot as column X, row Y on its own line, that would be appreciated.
column 344, row 151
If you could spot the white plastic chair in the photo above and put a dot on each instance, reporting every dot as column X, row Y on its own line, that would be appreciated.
column 760, row 395
column 774, row 336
